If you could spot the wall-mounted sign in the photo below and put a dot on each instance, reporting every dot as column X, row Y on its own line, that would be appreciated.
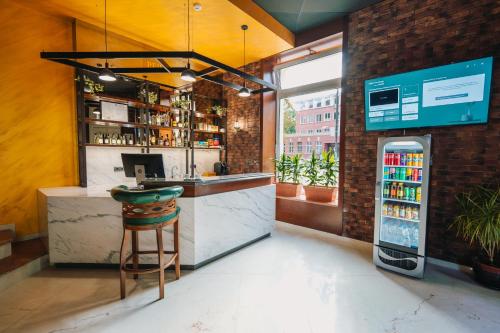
column 114, row 111
column 456, row 94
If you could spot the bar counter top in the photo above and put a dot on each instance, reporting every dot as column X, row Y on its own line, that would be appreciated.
column 214, row 184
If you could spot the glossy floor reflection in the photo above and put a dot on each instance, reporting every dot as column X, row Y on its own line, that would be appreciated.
column 299, row 280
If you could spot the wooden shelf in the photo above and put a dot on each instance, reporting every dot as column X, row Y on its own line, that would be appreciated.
column 209, row 132
column 210, row 148
column 129, row 146
column 135, row 103
column 207, row 115
column 114, row 122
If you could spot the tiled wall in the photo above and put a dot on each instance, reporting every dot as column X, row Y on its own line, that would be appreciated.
column 396, row 36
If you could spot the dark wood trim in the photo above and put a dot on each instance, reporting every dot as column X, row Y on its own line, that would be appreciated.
column 81, row 126
column 130, row 102
column 268, row 116
column 319, row 216
column 192, row 190
column 319, row 32
column 345, row 38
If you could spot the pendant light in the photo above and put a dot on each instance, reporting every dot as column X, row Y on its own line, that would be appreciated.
column 106, row 74
column 244, row 92
column 187, row 74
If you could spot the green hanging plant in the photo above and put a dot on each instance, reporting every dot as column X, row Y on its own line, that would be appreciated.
column 92, row 87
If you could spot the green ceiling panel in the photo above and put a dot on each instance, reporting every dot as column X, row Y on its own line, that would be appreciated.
column 300, row 15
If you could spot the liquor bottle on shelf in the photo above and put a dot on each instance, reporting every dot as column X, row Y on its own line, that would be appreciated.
column 166, row 142
column 106, row 139
column 160, row 141
column 152, row 138
column 130, row 140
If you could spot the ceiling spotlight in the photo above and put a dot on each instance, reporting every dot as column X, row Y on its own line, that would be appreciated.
column 244, row 92
column 106, row 74
column 197, row 7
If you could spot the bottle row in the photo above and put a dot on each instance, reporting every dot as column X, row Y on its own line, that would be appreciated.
column 400, row 211
column 397, row 173
column 404, row 159
column 400, row 232
column 400, row 191
column 170, row 119
column 177, row 139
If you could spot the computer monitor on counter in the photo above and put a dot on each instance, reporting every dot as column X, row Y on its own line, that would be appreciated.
column 142, row 166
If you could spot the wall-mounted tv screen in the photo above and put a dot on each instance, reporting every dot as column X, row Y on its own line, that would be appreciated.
column 456, row 94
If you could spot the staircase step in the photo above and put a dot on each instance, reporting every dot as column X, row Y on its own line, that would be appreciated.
column 6, row 236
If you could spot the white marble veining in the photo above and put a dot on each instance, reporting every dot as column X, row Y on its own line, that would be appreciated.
column 298, row 280
column 85, row 225
column 102, row 160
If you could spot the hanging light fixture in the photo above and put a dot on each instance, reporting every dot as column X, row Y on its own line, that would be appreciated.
column 106, row 74
column 244, row 92
column 187, row 74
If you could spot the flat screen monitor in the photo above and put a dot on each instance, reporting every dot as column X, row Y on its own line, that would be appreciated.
column 153, row 164
column 456, row 94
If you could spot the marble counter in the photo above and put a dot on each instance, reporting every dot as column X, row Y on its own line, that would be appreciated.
column 84, row 225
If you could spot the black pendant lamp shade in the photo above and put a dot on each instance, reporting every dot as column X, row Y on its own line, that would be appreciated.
column 244, row 92
column 106, row 74
column 188, row 75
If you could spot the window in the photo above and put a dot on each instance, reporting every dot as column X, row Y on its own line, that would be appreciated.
column 290, row 148
column 303, row 120
column 299, row 147
column 327, row 116
column 310, row 104
column 327, row 130
column 308, row 147
column 310, row 119
column 318, row 103
column 328, row 101
column 318, row 130
column 310, row 131
column 318, row 118
column 319, row 147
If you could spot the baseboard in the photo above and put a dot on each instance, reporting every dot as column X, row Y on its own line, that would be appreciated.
column 11, row 227
column 13, row 277
column 183, row 267
column 448, row 264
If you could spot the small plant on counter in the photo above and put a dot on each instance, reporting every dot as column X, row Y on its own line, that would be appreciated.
column 92, row 87
column 478, row 221
column 218, row 110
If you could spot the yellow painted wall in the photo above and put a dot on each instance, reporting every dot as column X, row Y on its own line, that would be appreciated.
column 37, row 113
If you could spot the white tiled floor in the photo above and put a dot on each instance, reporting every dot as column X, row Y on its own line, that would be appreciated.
column 299, row 280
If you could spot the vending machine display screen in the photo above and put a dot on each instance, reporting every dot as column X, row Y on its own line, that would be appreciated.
column 456, row 94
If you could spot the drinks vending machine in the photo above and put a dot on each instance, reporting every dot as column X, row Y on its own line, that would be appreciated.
column 401, row 204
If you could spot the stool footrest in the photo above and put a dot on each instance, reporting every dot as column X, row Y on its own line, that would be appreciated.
column 150, row 270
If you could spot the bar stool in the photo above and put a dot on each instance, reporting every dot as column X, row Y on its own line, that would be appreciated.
column 148, row 210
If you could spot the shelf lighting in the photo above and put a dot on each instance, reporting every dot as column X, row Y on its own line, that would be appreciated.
column 244, row 92
column 188, row 74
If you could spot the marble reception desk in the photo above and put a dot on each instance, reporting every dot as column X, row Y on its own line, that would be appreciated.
column 218, row 215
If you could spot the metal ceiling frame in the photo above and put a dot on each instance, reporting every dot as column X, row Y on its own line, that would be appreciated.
column 70, row 59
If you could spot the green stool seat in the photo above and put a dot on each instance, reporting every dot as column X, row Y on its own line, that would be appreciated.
column 148, row 210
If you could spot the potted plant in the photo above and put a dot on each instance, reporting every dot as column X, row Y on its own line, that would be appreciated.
column 321, row 174
column 478, row 221
column 330, row 168
column 283, row 171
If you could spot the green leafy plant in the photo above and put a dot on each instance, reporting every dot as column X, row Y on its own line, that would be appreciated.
column 296, row 165
column 478, row 220
column 218, row 110
column 282, row 168
column 312, row 170
column 91, row 86
column 330, row 168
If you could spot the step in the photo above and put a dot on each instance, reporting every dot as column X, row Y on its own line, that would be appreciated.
column 6, row 238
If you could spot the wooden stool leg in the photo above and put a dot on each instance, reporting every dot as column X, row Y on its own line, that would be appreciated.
column 123, row 257
column 135, row 250
column 176, row 250
column 161, row 261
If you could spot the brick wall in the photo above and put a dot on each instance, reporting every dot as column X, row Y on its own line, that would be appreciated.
column 244, row 146
column 396, row 36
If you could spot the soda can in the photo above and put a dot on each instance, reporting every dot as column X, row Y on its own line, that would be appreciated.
column 415, row 175
column 415, row 159
column 420, row 160
column 386, row 173
column 397, row 159
column 390, row 159
column 409, row 159
column 403, row 159
column 408, row 174
column 396, row 174
column 420, row 175
column 418, row 195
column 385, row 159
column 412, row 194
column 407, row 193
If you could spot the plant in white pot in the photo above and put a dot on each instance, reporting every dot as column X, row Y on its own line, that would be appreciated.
column 478, row 221
column 283, row 187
